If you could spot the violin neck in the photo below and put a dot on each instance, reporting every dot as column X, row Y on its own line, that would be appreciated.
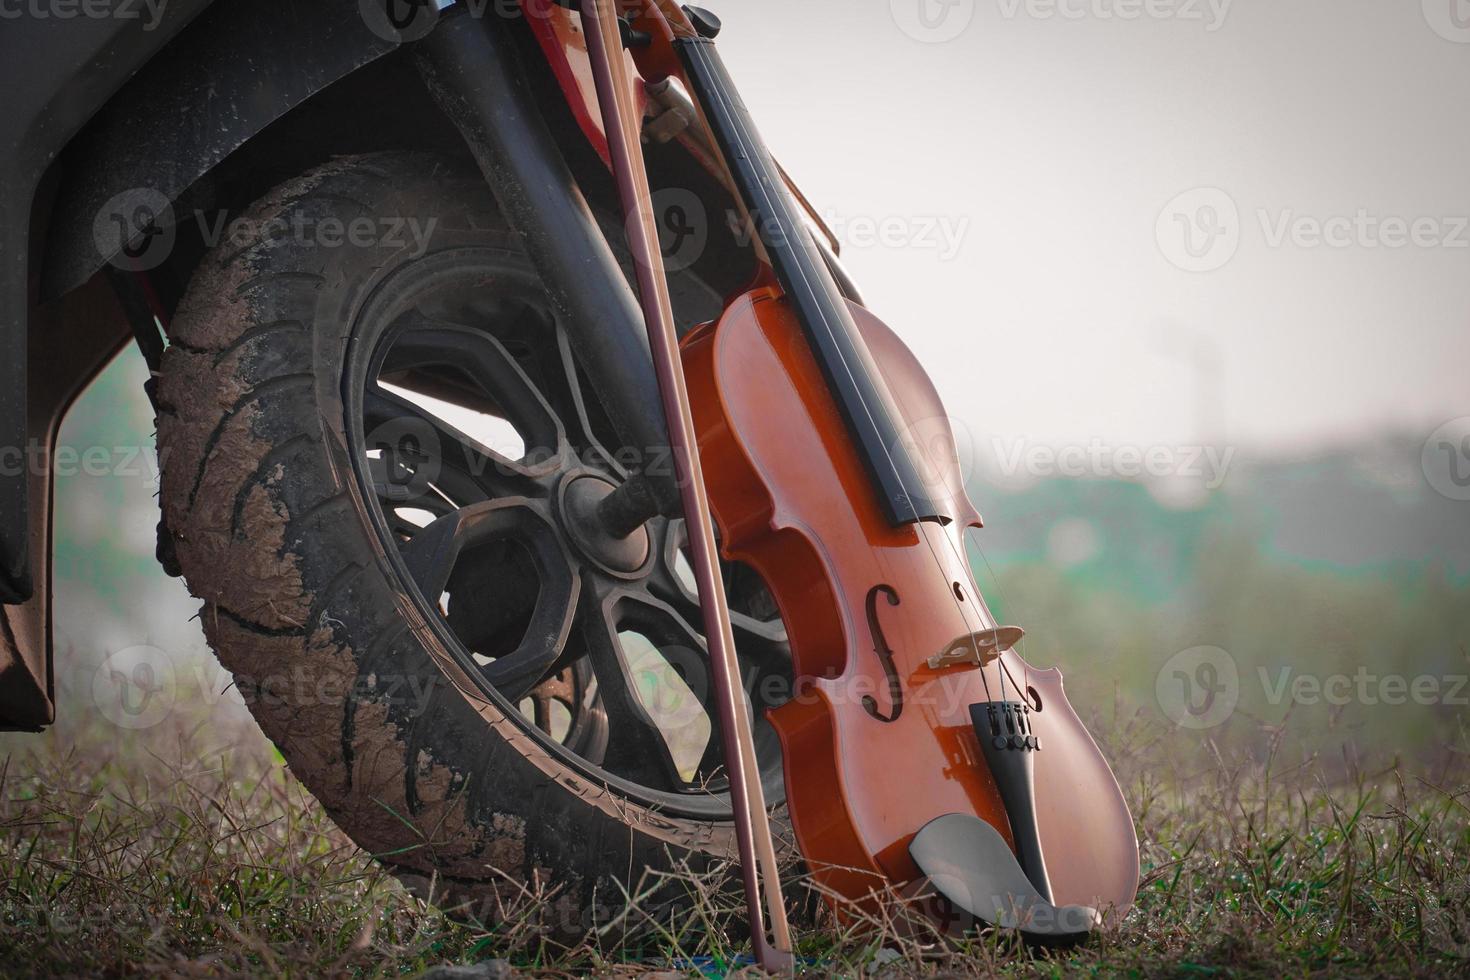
column 862, row 396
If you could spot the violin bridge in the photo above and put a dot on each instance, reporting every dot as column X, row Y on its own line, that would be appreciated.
column 977, row 649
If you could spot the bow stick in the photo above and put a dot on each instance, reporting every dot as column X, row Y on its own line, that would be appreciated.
column 616, row 98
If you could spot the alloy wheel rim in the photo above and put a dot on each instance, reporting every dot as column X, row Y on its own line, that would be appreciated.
column 604, row 664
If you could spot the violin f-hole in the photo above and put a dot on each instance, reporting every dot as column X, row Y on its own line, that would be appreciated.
column 885, row 655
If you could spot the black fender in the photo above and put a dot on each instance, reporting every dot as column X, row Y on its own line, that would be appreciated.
column 132, row 110
column 238, row 68
column 55, row 74
column 102, row 113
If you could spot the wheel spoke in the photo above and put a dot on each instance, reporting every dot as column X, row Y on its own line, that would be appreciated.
column 762, row 636
column 589, row 733
column 579, row 424
column 434, row 553
column 484, row 538
column 431, row 503
column 420, row 449
column 637, row 748
column 574, row 689
column 760, row 642
column 501, row 380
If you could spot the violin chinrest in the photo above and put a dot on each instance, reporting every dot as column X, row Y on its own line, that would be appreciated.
column 968, row 862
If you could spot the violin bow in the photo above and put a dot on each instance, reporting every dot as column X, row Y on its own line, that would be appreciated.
column 620, row 116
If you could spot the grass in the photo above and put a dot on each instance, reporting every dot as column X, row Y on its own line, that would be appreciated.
column 187, row 849
column 191, row 851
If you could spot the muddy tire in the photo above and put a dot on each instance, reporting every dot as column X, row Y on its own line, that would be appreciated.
column 354, row 678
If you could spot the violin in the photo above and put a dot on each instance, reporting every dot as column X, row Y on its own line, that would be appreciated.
column 923, row 755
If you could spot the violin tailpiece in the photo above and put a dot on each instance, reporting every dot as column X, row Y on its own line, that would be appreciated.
column 1010, row 747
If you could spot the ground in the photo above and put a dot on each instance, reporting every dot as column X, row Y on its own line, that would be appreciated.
column 190, row 850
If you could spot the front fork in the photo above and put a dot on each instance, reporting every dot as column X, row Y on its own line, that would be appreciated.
column 472, row 70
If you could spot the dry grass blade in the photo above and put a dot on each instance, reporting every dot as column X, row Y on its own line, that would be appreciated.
column 190, row 858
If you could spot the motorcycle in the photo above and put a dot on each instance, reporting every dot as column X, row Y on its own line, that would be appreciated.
column 510, row 391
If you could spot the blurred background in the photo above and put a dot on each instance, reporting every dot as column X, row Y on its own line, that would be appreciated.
column 1193, row 278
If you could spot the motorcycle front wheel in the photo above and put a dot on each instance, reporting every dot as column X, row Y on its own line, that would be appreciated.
column 378, row 450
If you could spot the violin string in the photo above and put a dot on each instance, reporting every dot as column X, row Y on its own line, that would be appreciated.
column 1025, row 665
column 749, row 148
column 956, row 550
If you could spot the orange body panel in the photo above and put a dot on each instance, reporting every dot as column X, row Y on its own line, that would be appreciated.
column 558, row 33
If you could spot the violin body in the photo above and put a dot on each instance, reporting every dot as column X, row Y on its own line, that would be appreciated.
column 876, row 742
column 923, row 757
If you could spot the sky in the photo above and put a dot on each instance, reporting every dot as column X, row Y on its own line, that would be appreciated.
column 1145, row 222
